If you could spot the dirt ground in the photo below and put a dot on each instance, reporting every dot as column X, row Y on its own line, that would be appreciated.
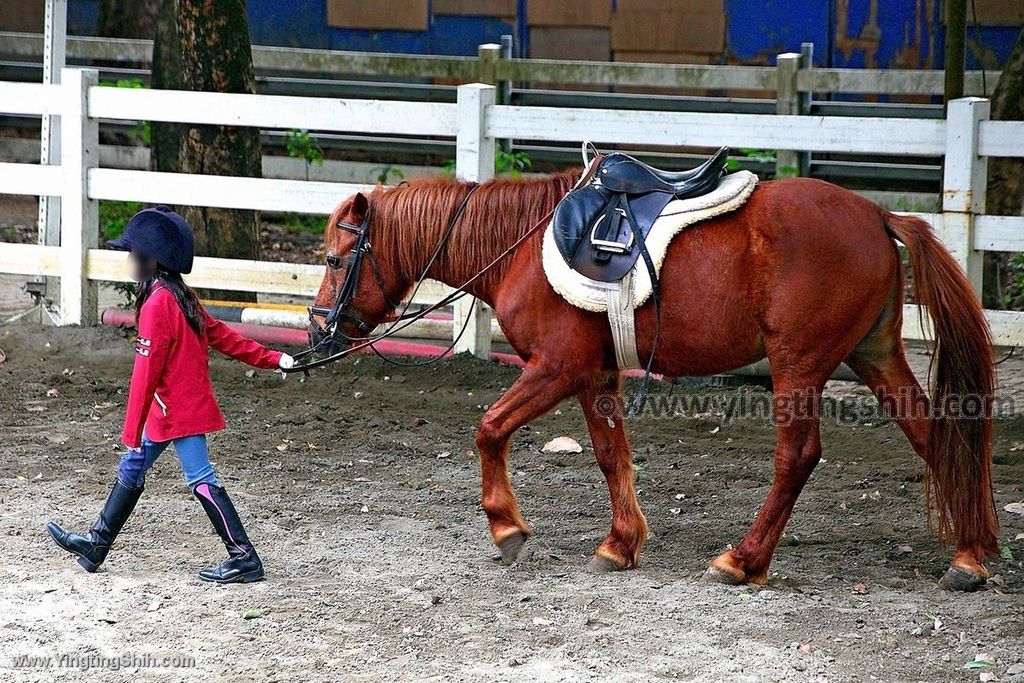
column 360, row 487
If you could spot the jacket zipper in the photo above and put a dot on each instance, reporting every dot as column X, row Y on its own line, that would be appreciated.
column 163, row 406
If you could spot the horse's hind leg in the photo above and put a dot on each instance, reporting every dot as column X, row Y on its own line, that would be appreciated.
column 797, row 451
column 535, row 392
column 880, row 361
column 600, row 401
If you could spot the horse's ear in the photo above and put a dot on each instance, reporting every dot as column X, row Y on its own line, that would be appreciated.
column 360, row 204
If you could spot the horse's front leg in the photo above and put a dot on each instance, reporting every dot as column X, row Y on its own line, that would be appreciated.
column 601, row 402
column 537, row 391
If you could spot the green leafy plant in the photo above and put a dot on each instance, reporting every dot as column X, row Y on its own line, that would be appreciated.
column 513, row 164
column 114, row 216
column 764, row 156
column 305, row 223
column 301, row 145
column 387, row 171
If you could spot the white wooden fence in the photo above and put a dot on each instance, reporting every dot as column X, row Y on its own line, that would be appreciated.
column 966, row 138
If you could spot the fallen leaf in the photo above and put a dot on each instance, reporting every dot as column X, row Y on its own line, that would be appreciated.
column 860, row 589
column 443, row 455
column 153, row 606
column 1015, row 508
column 541, row 621
column 563, row 444
column 986, row 676
column 253, row 614
column 806, row 648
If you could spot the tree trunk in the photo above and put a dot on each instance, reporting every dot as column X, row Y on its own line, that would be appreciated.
column 1006, row 176
column 126, row 18
column 1005, row 196
column 204, row 45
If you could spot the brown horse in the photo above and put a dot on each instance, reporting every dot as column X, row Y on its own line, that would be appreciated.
column 806, row 274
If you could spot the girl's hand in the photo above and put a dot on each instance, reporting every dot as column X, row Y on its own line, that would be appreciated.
column 134, row 450
column 286, row 362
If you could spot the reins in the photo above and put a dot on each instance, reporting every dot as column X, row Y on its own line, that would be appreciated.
column 405, row 318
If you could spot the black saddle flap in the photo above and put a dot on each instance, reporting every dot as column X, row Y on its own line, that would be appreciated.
column 600, row 228
column 574, row 221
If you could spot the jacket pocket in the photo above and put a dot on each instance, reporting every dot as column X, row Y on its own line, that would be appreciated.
column 163, row 406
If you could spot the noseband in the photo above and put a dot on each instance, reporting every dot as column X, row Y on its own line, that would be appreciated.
column 340, row 312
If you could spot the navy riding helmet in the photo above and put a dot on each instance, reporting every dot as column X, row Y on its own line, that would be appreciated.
column 161, row 234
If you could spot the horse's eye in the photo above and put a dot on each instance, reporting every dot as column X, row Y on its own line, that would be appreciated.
column 334, row 262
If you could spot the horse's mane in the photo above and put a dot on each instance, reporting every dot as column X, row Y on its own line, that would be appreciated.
column 410, row 219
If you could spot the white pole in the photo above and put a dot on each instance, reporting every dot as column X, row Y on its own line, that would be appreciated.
column 55, row 32
column 80, row 149
column 964, row 182
column 474, row 161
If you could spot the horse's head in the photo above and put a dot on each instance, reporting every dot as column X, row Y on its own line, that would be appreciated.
column 359, row 290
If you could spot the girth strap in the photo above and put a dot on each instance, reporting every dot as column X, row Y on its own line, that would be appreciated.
column 622, row 319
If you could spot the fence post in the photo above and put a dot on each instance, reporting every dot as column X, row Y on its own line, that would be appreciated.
column 487, row 63
column 54, row 46
column 787, row 102
column 805, row 98
column 474, row 161
column 79, row 148
column 964, row 181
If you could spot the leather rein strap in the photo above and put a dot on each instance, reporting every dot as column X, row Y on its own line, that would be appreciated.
column 404, row 319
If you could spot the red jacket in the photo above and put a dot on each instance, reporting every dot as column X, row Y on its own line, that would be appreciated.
column 171, row 395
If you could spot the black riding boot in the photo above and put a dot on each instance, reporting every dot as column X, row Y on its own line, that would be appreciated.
column 244, row 564
column 92, row 548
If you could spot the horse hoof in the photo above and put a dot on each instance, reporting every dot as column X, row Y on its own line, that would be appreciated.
column 956, row 579
column 724, row 577
column 599, row 564
column 728, row 570
column 513, row 548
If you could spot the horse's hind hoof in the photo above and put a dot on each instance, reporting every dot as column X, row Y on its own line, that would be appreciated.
column 513, row 548
column 727, row 569
column 956, row 579
column 599, row 564
column 717, row 575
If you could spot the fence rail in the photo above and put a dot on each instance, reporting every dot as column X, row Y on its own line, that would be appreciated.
column 491, row 68
column 966, row 138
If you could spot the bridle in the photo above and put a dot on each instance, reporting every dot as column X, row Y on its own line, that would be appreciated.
column 342, row 312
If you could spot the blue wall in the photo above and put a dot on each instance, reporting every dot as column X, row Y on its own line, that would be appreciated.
column 757, row 31
column 760, row 29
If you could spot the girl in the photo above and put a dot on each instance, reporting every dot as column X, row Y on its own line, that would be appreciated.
column 171, row 399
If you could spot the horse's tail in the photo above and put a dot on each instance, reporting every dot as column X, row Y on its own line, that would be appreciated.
column 961, row 394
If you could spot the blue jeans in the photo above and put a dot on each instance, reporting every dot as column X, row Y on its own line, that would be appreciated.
column 192, row 454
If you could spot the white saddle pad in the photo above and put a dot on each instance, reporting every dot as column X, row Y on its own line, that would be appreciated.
column 591, row 295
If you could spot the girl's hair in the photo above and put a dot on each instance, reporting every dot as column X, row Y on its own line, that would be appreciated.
column 186, row 297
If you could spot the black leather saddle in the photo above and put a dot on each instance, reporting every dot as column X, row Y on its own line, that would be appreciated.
column 600, row 226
